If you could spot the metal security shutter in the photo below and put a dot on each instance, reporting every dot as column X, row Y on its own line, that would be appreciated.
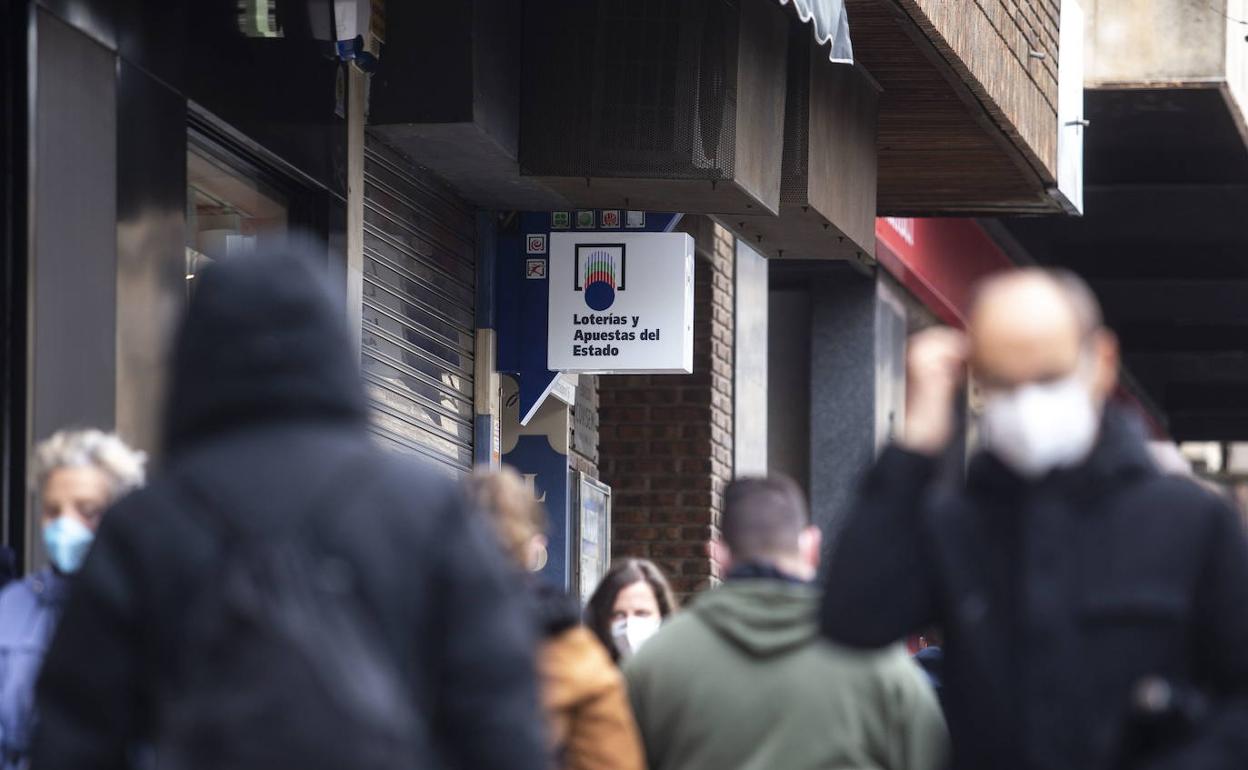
column 419, row 292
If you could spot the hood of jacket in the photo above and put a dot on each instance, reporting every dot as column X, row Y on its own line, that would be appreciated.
column 574, row 667
column 763, row 617
column 261, row 342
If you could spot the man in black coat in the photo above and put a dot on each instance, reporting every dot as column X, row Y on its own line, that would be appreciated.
column 265, row 414
column 1095, row 611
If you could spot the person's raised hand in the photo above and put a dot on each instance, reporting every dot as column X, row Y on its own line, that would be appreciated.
column 935, row 371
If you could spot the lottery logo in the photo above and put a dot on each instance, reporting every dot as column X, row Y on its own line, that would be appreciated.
column 599, row 273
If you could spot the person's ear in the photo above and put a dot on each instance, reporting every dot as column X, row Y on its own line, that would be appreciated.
column 537, row 554
column 810, row 545
column 720, row 554
column 1107, row 357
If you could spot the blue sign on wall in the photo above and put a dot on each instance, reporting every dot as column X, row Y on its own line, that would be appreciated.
column 547, row 469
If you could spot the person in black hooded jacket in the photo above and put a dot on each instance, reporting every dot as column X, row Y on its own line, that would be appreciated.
column 1093, row 609
column 265, row 410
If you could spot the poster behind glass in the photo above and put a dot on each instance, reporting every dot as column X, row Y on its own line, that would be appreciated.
column 593, row 534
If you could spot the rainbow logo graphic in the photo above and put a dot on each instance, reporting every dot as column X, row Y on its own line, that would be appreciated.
column 599, row 273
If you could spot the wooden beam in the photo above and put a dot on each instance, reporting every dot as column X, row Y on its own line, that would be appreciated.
column 966, row 38
column 941, row 151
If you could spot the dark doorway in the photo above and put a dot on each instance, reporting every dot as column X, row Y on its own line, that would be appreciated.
column 14, row 25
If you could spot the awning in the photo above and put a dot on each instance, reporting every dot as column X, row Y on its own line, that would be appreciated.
column 831, row 25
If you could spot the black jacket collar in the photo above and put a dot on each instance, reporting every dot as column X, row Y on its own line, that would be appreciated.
column 1120, row 453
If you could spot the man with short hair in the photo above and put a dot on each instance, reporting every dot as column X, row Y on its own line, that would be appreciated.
column 1093, row 608
column 743, row 680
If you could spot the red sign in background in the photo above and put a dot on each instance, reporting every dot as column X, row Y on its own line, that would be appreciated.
column 940, row 261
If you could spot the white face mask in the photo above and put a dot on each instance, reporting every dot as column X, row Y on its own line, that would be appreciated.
column 629, row 634
column 1040, row 427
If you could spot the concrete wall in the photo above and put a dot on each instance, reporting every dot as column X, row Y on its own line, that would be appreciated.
column 788, row 383
column 1179, row 43
column 1237, row 58
column 1167, row 41
column 857, row 390
column 73, row 236
column 750, row 360
column 1160, row 41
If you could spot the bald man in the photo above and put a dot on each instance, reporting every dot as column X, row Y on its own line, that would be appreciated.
column 1095, row 610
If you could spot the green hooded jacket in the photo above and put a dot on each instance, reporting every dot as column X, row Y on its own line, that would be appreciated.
column 744, row 680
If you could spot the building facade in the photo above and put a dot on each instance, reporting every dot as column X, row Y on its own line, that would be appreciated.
column 148, row 140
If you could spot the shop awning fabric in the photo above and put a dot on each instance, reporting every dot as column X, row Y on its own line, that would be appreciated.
column 831, row 26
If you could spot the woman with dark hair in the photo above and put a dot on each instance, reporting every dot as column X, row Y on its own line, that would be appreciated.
column 629, row 605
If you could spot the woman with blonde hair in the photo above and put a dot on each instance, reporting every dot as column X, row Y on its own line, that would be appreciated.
column 78, row 475
column 587, row 709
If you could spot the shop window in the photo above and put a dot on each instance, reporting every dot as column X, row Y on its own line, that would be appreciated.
column 231, row 211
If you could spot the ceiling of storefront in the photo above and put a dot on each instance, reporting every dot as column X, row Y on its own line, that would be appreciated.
column 1164, row 243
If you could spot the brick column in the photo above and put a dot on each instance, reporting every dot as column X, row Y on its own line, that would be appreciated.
column 666, row 440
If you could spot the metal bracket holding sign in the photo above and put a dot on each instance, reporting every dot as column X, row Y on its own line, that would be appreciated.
column 523, row 288
column 565, row 388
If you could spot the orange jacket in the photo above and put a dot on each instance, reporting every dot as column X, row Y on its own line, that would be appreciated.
column 587, row 707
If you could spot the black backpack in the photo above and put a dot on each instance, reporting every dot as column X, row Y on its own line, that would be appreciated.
column 282, row 664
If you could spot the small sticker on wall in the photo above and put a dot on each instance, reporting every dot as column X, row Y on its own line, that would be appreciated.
column 560, row 220
column 535, row 243
column 535, row 269
column 635, row 220
column 611, row 219
column 585, row 220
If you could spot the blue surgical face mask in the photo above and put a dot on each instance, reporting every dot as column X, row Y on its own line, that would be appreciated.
column 67, row 540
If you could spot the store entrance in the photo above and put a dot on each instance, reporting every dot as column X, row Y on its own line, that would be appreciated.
column 229, row 212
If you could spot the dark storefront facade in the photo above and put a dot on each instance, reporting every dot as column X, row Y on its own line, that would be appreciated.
column 143, row 141
column 12, row 274
column 163, row 137
column 135, row 152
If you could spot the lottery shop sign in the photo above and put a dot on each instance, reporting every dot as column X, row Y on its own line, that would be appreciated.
column 621, row 302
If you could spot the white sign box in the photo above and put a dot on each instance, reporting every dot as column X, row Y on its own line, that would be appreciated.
column 621, row 302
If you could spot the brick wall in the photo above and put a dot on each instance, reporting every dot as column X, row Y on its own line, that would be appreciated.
column 665, row 441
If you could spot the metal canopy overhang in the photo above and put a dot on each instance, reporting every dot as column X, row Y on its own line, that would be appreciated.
column 829, row 23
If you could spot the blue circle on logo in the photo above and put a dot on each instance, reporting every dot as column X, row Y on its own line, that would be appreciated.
column 599, row 295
